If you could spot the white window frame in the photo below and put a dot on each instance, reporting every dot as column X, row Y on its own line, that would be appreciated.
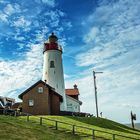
column 31, row 102
column 40, row 89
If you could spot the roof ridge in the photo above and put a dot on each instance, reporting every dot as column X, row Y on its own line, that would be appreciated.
column 35, row 84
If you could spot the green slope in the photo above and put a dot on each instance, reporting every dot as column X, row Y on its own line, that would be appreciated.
column 12, row 128
column 94, row 123
column 19, row 128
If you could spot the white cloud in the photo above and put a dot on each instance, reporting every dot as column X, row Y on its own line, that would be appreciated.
column 66, row 76
column 3, row 17
column 68, row 25
column 119, row 32
column 54, row 18
column 9, row 9
column 129, row 105
column 18, row 75
column 21, row 45
column 94, row 31
column 3, row 1
column 49, row 2
column 41, row 35
column 22, row 22
column 19, row 38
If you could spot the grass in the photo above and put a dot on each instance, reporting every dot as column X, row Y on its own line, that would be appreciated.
column 94, row 123
column 18, row 128
column 12, row 128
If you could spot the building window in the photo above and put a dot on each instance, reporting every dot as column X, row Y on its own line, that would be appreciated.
column 31, row 102
column 52, row 64
column 40, row 89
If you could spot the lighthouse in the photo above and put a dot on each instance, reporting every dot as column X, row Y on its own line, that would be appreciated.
column 53, row 68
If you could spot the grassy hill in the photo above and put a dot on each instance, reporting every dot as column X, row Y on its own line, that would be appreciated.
column 18, row 128
column 12, row 128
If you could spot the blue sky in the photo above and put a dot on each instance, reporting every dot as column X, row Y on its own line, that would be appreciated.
column 103, row 35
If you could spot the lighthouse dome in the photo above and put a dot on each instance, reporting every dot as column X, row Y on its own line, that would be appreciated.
column 53, row 38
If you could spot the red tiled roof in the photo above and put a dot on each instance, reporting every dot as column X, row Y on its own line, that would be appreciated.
column 72, row 91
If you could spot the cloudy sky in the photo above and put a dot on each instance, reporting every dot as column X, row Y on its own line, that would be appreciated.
column 100, row 35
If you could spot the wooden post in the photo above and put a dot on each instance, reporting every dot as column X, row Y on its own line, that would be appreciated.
column 27, row 117
column 56, row 125
column 73, row 129
column 113, row 136
column 93, row 134
column 40, row 120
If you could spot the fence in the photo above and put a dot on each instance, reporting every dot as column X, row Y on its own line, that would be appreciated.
column 73, row 128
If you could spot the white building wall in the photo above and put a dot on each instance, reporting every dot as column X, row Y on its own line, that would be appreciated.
column 72, row 104
column 55, row 76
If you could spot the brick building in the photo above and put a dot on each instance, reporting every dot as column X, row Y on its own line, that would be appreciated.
column 41, row 99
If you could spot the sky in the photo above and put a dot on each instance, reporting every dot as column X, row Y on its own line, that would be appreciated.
column 100, row 35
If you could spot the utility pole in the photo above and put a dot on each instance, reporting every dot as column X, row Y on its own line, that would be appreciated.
column 95, row 88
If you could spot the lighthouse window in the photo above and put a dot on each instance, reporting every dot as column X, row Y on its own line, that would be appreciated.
column 52, row 64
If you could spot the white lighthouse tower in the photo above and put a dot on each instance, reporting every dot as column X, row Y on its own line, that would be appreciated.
column 53, row 68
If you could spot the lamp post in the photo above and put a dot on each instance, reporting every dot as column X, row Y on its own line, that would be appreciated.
column 95, row 88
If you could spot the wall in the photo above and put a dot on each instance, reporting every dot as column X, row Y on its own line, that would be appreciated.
column 72, row 105
column 41, row 104
column 54, row 104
